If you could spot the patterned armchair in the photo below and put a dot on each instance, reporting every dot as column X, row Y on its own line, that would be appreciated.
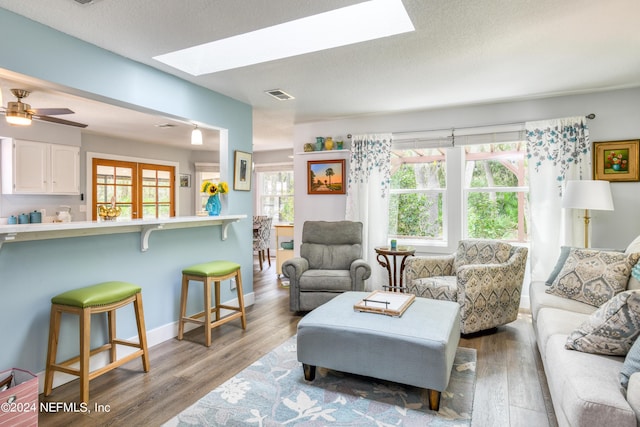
column 484, row 276
column 262, row 238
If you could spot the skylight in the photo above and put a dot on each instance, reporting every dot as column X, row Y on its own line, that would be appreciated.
column 365, row 21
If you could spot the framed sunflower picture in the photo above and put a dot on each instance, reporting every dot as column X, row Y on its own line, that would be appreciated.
column 616, row 161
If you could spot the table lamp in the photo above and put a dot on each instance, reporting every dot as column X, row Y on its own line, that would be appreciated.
column 587, row 194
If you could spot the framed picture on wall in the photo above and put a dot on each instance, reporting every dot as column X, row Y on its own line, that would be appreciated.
column 185, row 180
column 616, row 161
column 242, row 171
column 326, row 177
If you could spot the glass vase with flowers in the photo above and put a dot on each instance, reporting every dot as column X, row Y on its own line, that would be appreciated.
column 214, row 190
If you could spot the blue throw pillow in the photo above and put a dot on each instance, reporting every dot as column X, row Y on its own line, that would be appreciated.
column 631, row 364
column 564, row 254
column 635, row 272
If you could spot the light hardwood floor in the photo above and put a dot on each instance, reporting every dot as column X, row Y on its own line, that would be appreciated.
column 510, row 389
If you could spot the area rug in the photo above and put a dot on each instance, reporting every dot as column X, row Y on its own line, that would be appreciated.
column 273, row 392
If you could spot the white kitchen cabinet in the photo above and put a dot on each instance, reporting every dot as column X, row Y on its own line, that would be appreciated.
column 30, row 167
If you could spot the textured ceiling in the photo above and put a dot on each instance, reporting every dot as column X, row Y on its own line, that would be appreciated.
column 462, row 52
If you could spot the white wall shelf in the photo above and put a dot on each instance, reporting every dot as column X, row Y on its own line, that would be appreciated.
column 43, row 231
column 323, row 152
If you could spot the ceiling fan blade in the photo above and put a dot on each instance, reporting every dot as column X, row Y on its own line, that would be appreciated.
column 51, row 111
column 59, row 121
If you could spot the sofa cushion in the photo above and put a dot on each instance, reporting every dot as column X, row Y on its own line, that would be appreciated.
column 611, row 329
column 443, row 288
column 593, row 276
column 633, row 246
column 633, row 394
column 325, row 281
column 540, row 299
column 555, row 321
column 631, row 364
column 472, row 251
column 585, row 388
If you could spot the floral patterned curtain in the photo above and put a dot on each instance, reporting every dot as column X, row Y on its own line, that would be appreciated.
column 368, row 185
column 558, row 150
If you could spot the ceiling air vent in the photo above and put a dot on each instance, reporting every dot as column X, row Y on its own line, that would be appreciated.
column 279, row 94
column 164, row 125
column 84, row 1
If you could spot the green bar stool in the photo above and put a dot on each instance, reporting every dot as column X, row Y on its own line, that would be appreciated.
column 214, row 271
column 104, row 297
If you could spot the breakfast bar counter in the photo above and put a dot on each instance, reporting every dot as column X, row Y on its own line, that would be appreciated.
column 57, row 230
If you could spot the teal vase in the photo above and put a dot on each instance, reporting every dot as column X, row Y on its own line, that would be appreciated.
column 213, row 205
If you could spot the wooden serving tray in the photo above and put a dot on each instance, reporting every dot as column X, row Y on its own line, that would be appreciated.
column 389, row 303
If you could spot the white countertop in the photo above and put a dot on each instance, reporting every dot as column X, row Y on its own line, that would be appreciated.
column 55, row 230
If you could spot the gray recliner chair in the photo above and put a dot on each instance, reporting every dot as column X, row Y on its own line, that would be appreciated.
column 330, row 263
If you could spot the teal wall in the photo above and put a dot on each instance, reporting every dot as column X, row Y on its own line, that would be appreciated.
column 32, row 272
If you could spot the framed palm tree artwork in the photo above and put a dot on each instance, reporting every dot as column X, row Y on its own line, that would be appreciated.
column 325, row 177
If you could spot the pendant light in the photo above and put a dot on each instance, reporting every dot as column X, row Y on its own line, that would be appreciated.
column 196, row 136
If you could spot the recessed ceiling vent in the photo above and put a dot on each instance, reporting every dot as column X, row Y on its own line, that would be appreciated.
column 164, row 125
column 84, row 1
column 279, row 94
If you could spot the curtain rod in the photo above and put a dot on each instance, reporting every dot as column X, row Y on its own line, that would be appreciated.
column 590, row 116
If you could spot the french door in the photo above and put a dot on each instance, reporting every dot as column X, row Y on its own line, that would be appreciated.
column 140, row 190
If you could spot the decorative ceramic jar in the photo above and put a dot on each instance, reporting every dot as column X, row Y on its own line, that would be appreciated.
column 328, row 143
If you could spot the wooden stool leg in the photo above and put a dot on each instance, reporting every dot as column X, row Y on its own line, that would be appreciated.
column 207, row 311
column 142, row 332
column 243, row 318
column 217, row 301
column 183, row 306
column 111, row 318
column 52, row 348
column 85, row 352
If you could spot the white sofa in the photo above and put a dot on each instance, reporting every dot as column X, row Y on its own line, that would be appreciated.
column 585, row 388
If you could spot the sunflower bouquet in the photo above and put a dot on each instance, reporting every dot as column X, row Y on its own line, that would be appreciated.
column 211, row 188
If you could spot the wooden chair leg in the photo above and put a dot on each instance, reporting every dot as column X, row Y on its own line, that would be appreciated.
column 111, row 319
column 260, row 257
column 85, row 352
column 269, row 256
column 207, row 312
column 183, row 306
column 142, row 331
column 52, row 348
column 243, row 318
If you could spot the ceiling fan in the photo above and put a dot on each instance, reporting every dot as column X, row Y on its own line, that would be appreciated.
column 19, row 113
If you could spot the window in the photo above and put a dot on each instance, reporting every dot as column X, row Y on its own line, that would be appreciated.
column 496, row 191
column 441, row 193
column 275, row 195
column 418, row 194
column 140, row 190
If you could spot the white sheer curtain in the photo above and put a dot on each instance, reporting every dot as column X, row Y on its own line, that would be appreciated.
column 558, row 150
column 368, row 196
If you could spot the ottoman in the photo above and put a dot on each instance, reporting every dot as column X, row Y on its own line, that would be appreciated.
column 416, row 348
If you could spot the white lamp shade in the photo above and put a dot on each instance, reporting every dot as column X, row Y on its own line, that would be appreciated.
column 196, row 137
column 588, row 194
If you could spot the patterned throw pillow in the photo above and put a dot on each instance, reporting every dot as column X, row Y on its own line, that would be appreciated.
column 593, row 276
column 612, row 329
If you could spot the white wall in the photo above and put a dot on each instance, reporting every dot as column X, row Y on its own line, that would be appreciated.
column 617, row 118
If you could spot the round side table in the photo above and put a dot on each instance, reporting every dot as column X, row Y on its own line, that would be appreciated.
column 384, row 252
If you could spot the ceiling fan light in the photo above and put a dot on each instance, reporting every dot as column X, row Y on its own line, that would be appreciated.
column 20, row 118
column 196, row 136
